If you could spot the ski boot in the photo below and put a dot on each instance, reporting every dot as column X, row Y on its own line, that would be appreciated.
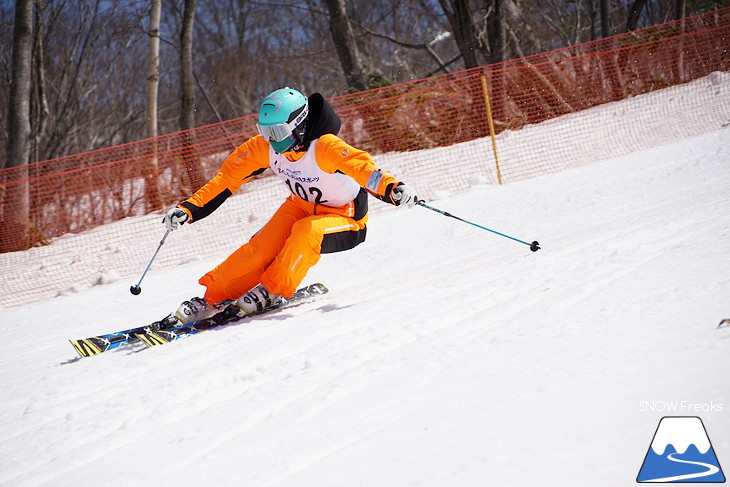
column 257, row 300
column 195, row 309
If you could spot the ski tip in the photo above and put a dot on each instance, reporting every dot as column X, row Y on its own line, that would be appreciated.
column 85, row 348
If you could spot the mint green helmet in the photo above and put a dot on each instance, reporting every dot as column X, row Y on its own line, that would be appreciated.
column 281, row 119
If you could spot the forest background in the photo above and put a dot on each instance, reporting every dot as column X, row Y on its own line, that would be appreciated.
column 77, row 74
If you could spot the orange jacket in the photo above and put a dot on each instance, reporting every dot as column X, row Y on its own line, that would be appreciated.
column 332, row 154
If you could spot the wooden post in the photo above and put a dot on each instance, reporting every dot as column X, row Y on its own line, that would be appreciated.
column 488, row 104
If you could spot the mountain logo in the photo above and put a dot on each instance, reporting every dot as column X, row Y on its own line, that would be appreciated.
column 681, row 452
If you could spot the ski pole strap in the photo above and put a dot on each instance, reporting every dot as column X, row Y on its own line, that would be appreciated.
column 534, row 246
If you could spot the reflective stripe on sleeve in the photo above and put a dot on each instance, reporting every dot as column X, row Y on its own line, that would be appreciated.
column 374, row 181
column 338, row 229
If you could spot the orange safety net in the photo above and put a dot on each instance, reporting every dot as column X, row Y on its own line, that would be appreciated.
column 550, row 111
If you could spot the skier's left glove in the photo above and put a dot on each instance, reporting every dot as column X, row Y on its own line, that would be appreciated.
column 404, row 197
column 176, row 216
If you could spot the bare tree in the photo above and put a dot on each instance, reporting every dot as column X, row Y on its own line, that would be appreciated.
column 679, row 9
column 496, row 32
column 39, row 107
column 86, row 77
column 345, row 45
column 229, row 67
column 16, row 205
column 88, row 69
column 187, row 80
column 153, row 81
column 605, row 19
column 462, row 24
column 153, row 67
column 18, row 148
column 187, row 97
column 634, row 13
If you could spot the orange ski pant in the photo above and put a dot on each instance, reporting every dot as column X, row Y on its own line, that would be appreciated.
column 282, row 252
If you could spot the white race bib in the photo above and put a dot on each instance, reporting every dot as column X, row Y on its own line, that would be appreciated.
column 305, row 179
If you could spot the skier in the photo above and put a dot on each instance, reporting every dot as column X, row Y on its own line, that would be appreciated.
column 326, row 211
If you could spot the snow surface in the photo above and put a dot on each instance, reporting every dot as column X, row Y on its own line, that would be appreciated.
column 445, row 355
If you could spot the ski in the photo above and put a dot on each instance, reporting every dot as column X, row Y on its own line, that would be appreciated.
column 95, row 345
column 228, row 315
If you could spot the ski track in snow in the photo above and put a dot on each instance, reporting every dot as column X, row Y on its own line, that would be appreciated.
column 444, row 355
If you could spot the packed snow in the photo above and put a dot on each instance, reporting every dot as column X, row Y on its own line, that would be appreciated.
column 445, row 354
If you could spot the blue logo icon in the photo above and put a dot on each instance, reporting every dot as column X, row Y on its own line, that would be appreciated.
column 681, row 452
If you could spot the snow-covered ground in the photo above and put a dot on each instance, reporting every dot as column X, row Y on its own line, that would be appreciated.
column 445, row 355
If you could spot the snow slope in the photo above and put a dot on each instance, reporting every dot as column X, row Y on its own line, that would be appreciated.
column 446, row 355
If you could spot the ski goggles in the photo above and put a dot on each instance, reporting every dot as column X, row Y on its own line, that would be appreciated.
column 281, row 131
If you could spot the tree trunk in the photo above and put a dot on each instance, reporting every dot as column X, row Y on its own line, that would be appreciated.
column 459, row 16
column 14, row 230
column 152, row 193
column 634, row 13
column 679, row 14
column 496, row 34
column 18, row 148
column 496, row 31
column 187, row 81
column 605, row 21
column 187, row 102
column 345, row 45
column 679, row 9
column 40, row 115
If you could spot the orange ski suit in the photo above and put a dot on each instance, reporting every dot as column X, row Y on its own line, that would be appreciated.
column 326, row 212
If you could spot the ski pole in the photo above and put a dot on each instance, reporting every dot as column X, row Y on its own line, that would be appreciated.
column 136, row 289
column 534, row 246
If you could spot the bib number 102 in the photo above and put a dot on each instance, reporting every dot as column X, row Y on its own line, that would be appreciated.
column 298, row 189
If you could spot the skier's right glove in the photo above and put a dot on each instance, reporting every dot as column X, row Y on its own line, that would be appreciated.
column 175, row 217
column 404, row 196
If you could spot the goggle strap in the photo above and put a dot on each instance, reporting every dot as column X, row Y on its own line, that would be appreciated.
column 288, row 127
